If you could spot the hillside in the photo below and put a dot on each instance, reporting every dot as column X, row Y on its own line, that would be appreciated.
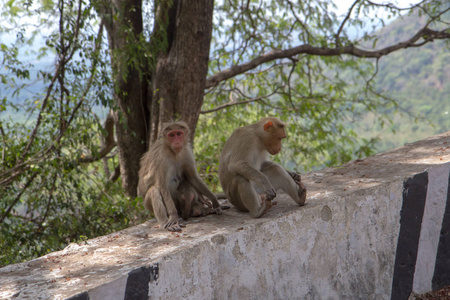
column 419, row 78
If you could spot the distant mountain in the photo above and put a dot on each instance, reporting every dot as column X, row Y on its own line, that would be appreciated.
column 419, row 78
column 429, row 64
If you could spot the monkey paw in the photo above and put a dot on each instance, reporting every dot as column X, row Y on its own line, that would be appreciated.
column 218, row 210
column 174, row 225
column 301, row 193
column 297, row 177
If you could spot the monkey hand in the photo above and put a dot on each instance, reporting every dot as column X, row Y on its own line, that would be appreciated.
column 173, row 224
column 297, row 177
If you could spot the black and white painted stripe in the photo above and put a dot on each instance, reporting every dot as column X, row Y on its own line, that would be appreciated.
column 134, row 287
column 422, row 261
column 441, row 276
column 138, row 281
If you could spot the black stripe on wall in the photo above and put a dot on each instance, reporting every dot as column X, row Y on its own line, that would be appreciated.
column 441, row 275
column 80, row 296
column 138, row 280
column 414, row 197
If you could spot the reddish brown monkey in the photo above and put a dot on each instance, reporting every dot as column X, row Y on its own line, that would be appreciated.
column 248, row 177
column 167, row 163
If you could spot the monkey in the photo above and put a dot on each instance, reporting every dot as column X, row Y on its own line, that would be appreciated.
column 163, row 167
column 190, row 203
column 247, row 175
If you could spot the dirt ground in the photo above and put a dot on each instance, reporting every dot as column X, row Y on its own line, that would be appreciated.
column 442, row 294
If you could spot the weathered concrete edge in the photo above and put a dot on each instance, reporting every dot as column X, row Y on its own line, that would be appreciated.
column 199, row 273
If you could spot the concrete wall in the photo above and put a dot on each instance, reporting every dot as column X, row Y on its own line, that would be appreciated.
column 376, row 228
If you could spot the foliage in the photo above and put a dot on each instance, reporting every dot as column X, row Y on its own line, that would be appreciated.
column 48, row 196
column 317, row 95
column 416, row 78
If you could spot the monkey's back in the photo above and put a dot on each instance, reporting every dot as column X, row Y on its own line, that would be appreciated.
column 238, row 148
column 152, row 165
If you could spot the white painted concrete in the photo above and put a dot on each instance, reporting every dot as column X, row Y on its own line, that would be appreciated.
column 431, row 228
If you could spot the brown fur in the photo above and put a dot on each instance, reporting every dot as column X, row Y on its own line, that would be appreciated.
column 190, row 203
column 162, row 170
column 247, row 175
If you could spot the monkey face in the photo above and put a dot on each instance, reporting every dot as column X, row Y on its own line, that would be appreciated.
column 176, row 140
column 275, row 134
column 275, row 143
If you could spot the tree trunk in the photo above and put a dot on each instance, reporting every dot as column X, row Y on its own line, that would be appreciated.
column 178, row 79
column 131, row 115
column 180, row 74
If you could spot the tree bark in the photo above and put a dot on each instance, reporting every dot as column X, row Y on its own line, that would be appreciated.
column 178, row 78
column 180, row 75
column 123, row 21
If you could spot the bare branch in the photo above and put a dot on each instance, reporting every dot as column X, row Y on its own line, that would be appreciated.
column 294, row 65
column 374, row 74
column 347, row 17
column 302, row 24
column 116, row 174
column 50, row 197
column 40, row 116
column 392, row 6
column 427, row 34
column 109, row 143
column 231, row 103
column 8, row 210
column 4, row 147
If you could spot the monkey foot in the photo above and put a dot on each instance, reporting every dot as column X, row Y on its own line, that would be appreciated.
column 266, row 204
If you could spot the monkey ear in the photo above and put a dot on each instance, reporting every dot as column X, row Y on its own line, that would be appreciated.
column 268, row 125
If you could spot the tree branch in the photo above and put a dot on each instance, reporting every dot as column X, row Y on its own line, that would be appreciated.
column 427, row 34
column 8, row 210
column 110, row 143
column 392, row 6
column 231, row 103
column 116, row 174
column 347, row 17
